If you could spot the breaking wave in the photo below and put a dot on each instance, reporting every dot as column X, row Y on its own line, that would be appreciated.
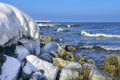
column 98, row 47
column 98, row 35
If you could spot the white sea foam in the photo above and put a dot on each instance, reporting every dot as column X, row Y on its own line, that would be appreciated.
column 98, row 35
column 105, row 48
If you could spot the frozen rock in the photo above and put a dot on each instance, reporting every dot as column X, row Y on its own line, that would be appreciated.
column 35, row 64
column 16, row 25
column 96, row 74
column 49, row 47
column 10, row 69
column 22, row 52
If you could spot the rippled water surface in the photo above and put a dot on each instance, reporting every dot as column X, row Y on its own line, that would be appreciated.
column 105, row 38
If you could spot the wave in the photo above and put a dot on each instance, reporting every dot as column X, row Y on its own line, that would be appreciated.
column 98, row 47
column 99, row 35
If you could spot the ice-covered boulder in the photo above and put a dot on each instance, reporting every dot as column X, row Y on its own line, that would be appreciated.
column 34, row 64
column 21, row 52
column 16, row 25
column 10, row 69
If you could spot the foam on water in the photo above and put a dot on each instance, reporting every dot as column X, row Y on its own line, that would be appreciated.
column 98, row 35
column 98, row 47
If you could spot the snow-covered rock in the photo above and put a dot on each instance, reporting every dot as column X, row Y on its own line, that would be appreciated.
column 38, row 76
column 46, row 57
column 73, row 65
column 22, row 52
column 68, row 74
column 16, row 25
column 10, row 69
column 35, row 64
column 96, row 74
column 49, row 47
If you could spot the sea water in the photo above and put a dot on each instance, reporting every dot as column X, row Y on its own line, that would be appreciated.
column 93, row 40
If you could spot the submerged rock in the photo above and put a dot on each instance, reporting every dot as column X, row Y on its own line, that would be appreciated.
column 10, row 69
column 35, row 64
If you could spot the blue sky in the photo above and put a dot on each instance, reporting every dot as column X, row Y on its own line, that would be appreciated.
column 70, row 10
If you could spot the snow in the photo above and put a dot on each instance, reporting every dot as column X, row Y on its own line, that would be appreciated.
column 50, row 71
column 22, row 52
column 10, row 69
column 15, row 24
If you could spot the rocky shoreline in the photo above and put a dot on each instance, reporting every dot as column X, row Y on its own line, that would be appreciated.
column 25, row 55
column 55, row 62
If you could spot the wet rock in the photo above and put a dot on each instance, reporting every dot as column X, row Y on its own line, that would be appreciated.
column 87, row 67
column 66, row 55
column 10, row 69
column 46, row 39
column 70, row 48
column 60, row 62
column 36, row 64
column 47, row 57
column 54, row 54
column 96, row 74
column 111, row 64
column 22, row 52
column 80, row 59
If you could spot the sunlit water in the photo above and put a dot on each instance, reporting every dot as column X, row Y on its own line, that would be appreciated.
column 96, row 47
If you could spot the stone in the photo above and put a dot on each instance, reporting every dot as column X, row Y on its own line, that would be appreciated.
column 70, row 48
column 73, row 65
column 54, row 54
column 37, row 76
column 68, row 74
column 46, row 39
column 111, row 64
column 66, row 55
column 10, row 69
column 80, row 59
column 49, row 47
column 22, row 52
column 18, row 26
column 46, row 57
column 36, row 64
column 60, row 62
column 87, row 67
column 96, row 74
